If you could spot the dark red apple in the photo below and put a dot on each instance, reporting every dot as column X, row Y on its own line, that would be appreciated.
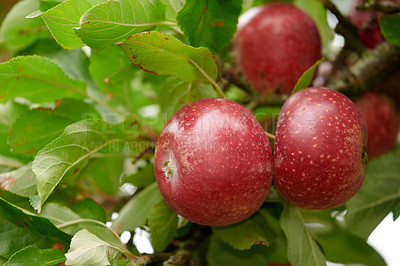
column 275, row 45
column 367, row 24
column 383, row 121
column 213, row 162
column 320, row 145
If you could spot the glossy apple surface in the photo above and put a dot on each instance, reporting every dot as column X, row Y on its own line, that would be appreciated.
column 383, row 121
column 275, row 45
column 213, row 162
column 319, row 149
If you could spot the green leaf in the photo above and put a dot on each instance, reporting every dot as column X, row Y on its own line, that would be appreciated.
column 163, row 222
column 34, row 256
column 63, row 18
column 71, row 222
column 377, row 196
column 59, row 214
column 343, row 247
column 162, row 54
column 220, row 253
column 305, row 80
column 8, row 164
column 176, row 93
column 171, row 8
column 21, row 181
column 29, row 134
column 209, row 23
column 390, row 27
column 136, row 211
column 47, row 4
column 103, row 174
column 37, row 79
column 66, row 154
column 302, row 248
column 317, row 11
column 9, row 112
column 20, row 229
column 142, row 178
column 20, row 32
column 109, row 69
column 114, row 21
column 252, row 231
column 88, row 249
column 89, row 209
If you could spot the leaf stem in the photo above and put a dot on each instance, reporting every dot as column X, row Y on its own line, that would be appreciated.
column 269, row 135
column 212, row 81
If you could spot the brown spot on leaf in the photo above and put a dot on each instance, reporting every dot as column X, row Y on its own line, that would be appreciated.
column 149, row 71
column 44, row 108
column 76, row 170
column 219, row 23
column 32, row 151
column 25, row 223
column 2, row 96
column 59, row 246
column 7, row 182
column 166, row 38
column 134, row 57
column 260, row 242
column 58, row 102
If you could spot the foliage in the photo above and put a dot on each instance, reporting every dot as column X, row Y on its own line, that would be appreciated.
column 82, row 100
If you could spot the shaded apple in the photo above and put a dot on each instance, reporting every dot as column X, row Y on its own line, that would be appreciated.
column 320, row 147
column 275, row 45
column 383, row 121
column 367, row 24
column 213, row 162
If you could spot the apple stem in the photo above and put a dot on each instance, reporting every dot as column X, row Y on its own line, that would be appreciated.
column 269, row 135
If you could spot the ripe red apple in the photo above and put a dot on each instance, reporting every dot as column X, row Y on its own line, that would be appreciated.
column 383, row 121
column 213, row 162
column 367, row 24
column 275, row 45
column 319, row 149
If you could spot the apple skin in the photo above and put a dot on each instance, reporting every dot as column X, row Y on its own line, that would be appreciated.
column 383, row 121
column 275, row 45
column 213, row 162
column 320, row 139
column 367, row 24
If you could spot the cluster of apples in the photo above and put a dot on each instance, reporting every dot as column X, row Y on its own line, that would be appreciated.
column 213, row 162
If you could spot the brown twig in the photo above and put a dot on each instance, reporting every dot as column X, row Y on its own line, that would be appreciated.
column 386, row 7
column 346, row 29
column 151, row 258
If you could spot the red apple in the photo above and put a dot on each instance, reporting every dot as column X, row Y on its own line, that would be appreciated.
column 383, row 121
column 276, row 44
column 213, row 162
column 320, row 142
column 367, row 24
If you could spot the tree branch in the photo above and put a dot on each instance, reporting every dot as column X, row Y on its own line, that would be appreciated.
column 374, row 67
